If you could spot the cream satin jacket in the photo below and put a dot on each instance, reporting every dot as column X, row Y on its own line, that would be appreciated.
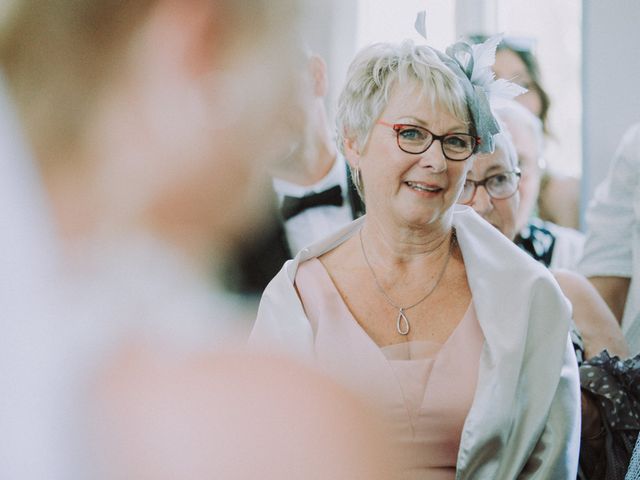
column 525, row 418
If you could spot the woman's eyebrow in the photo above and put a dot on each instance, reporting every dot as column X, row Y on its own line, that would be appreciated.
column 415, row 120
column 494, row 170
column 422, row 123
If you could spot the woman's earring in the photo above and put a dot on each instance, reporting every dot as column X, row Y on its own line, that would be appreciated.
column 357, row 181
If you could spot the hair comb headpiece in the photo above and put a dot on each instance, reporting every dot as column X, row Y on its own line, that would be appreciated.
column 472, row 64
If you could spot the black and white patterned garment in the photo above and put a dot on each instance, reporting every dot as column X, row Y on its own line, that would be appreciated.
column 537, row 241
column 578, row 343
column 614, row 385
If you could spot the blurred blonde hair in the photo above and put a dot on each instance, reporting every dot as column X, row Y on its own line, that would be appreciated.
column 59, row 55
column 377, row 69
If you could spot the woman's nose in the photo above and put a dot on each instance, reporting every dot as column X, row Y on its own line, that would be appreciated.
column 433, row 158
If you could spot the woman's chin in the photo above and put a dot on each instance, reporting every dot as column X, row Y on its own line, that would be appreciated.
column 420, row 217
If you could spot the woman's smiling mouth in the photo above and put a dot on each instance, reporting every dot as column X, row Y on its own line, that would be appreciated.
column 423, row 187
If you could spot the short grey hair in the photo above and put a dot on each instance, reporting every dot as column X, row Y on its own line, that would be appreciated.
column 512, row 111
column 377, row 69
column 504, row 143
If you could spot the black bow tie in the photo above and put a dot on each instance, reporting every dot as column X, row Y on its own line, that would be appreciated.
column 292, row 206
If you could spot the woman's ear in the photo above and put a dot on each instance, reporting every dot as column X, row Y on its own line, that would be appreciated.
column 351, row 151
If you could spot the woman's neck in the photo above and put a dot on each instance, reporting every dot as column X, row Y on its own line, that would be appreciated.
column 397, row 245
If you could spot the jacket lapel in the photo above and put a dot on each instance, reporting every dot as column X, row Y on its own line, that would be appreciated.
column 512, row 399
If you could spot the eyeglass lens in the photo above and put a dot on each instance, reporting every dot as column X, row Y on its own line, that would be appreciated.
column 499, row 187
column 416, row 140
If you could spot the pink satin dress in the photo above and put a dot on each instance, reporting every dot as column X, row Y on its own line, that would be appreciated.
column 425, row 388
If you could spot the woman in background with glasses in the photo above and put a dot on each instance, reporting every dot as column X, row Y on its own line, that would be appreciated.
column 491, row 189
column 421, row 306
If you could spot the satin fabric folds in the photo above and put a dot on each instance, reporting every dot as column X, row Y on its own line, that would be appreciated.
column 524, row 421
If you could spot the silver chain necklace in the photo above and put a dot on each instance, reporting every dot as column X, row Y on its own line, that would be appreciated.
column 402, row 321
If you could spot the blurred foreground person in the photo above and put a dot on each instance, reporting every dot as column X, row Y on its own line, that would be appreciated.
column 233, row 416
column 453, row 332
column 153, row 124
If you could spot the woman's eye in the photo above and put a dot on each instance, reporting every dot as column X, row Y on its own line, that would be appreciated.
column 412, row 134
column 457, row 142
column 500, row 179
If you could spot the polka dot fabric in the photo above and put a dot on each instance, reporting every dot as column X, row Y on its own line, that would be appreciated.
column 614, row 384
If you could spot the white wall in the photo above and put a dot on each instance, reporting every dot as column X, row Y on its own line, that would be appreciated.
column 393, row 21
column 330, row 29
column 336, row 29
column 611, row 82
column 553, row 29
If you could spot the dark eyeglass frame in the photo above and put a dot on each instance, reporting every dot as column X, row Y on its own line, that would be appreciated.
column 484, row 181
column 399, row 127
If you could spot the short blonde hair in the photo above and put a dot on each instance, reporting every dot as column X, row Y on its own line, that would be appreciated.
column 380, row 67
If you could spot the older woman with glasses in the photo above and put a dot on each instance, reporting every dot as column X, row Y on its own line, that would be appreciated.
column 420, row 306
column 497, row 202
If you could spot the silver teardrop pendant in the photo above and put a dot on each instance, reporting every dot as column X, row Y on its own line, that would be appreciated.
column 402, row 323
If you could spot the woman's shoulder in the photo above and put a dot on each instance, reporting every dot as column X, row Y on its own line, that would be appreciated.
column 330, row 242
column 339, row 257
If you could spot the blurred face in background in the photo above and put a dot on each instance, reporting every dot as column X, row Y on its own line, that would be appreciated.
column 510, row 66
column 312, row 152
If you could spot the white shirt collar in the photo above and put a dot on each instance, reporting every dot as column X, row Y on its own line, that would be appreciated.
column 336, row 176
